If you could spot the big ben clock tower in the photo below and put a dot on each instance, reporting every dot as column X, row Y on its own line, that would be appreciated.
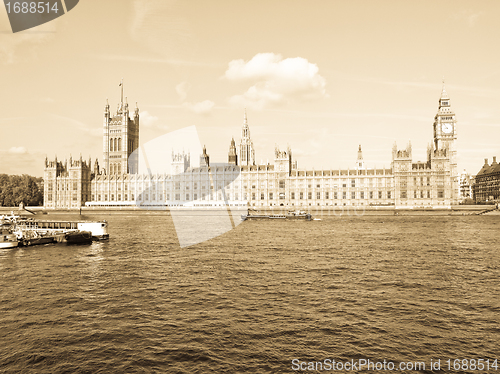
column 445, row 136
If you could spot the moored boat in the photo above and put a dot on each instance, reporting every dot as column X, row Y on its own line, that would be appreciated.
column 98, row 229
column 74, row 237
column 292, row 215
column 29, row 231
column 7, row 238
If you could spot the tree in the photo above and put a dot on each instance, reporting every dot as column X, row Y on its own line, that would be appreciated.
column 16, row 189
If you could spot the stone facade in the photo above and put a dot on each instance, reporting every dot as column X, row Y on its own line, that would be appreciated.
column 66, row 185
column 240, row 181
column 487, row 183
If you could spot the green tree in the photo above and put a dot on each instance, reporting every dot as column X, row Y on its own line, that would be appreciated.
column 16, row 189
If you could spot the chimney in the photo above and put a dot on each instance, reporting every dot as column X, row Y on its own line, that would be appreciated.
column 494, row 159
column 486, row 161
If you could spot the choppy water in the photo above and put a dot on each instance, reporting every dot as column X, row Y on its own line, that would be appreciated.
column 398, row 288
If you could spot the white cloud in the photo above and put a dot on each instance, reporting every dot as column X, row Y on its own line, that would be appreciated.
column 203, row 107
column 146, row 119
column 18, row 150
column 276, row 81
column 182, row 90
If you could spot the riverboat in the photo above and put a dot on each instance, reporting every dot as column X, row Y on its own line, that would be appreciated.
column 297, row 215
column 98, row 229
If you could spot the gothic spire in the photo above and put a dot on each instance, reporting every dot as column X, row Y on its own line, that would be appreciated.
column 360, row 153
column 444, row 94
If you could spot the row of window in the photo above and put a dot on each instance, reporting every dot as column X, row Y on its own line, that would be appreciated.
column 422, row 194
column 65, row 186
column 327, row 195
column 271, row 196
column 115, row 168
column 115, row 144
column 74, row 197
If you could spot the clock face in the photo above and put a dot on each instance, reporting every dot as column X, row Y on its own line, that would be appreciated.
column 447, row 128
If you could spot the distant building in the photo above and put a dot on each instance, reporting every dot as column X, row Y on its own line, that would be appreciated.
column 466, row 185
column 406, row 184
column 487, row 183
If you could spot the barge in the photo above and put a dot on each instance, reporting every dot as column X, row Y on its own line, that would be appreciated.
column 298, row 215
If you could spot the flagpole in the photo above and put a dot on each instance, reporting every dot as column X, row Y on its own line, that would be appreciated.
column 121, row 99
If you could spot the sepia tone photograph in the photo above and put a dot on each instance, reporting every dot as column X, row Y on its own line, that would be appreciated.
column 249, row 186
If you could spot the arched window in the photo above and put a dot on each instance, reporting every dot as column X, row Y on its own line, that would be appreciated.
column 119, row 144
column 118, row 169
column 116, row 144
column 111, row 145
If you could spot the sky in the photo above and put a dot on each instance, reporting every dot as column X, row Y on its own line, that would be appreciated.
column 319, row 76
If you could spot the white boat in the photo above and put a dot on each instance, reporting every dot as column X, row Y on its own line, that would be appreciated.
column 98, row 229
column 7, row 238
column 26, row 227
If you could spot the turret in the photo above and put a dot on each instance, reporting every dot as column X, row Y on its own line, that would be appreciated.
column 283, row 160
column 232, row 156
column 125, row 110
column 106, row 109
column 136, row 114
column 96, row 167
column 204, row 158
column 359, row 162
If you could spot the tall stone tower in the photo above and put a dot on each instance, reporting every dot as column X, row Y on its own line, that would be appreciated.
column 232, row 157
column 246, row 152
column 402, row 168
column 121, row 138
column 445, row 137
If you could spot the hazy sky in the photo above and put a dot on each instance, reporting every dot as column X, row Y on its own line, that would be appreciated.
column 320, row 76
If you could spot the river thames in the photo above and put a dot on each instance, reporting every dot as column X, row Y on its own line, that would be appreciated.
column 395, row 288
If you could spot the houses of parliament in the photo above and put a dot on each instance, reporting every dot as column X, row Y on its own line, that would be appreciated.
column 240, row 181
